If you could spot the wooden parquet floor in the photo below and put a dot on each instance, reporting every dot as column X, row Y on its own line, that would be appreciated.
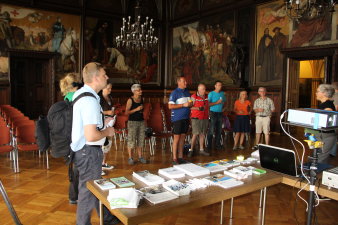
column 40, row 196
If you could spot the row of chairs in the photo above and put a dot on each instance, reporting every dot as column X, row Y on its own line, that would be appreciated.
column 17, row 134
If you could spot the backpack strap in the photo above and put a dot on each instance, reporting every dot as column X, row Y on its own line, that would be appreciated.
column 84, row 94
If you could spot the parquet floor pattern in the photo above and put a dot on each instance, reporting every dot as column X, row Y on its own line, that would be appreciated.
column 40, row 196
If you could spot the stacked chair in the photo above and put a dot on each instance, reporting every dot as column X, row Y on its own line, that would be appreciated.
column 17, row 134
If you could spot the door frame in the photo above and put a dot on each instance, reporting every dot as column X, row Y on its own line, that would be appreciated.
column 330, row 55
column 50, row 56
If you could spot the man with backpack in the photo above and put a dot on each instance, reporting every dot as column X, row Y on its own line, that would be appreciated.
column 88, row 136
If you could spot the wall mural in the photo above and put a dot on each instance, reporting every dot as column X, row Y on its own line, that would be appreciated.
column 122, row 67
column 205, row 51
column 274, row 31
column 31, row 29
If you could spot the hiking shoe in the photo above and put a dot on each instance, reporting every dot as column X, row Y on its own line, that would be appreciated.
column 234, row 148
column 130, row 161
column 190, row 153
column 72, row 202
column 142, row 160
column 175, row 162
column 182, row 161
column 106, row 166
column 241, row 147
column 202, row 152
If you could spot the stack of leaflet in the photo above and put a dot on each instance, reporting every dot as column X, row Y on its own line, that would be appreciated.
column 249, row 161
column 157, row 194
column 123, row 198
column 171, row 172
column 177, row 187
column 223, row 181
column 256, row 170
column 213, row 167
column 104, row 184
column 237, row 174
column 243, row 169
column 148, row 178
column 230, row 164
column 192, row 169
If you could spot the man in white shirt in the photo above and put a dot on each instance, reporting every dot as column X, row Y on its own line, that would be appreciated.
column 263, row 108
column 88, row 136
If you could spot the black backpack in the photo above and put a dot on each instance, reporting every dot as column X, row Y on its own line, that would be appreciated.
column 42, row 133
column 60, row 120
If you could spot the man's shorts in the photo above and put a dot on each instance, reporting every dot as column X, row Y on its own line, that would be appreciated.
column 262, row 125
column 199, row 126
column 180, row 126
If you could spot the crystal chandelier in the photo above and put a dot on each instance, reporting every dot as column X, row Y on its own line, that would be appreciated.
column 296, row 9
column 136, row 36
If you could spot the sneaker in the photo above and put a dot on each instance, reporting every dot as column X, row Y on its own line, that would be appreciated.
column 219, row 148
column 175, row 162
column 106, row 166
column 130, row 161
column 202, row 152
column 255, row 147
column 72, row 202
column 142, row 160
column 103, row 173
column 241, row 147
column 190, row 153
column 182, row 161
column 234, row 148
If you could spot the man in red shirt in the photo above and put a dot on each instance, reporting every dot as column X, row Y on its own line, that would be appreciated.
column 199, row 119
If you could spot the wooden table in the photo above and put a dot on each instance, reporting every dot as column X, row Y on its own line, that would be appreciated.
column 322, row 190
column 203, row 197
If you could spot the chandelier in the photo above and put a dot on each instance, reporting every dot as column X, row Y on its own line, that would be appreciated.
column 136, row 36
column 296, row 9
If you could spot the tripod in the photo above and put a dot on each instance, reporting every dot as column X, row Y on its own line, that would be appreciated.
column 9, row 204
column 313, row 178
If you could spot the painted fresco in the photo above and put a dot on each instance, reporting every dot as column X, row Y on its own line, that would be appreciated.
column 274, row 31
column 201, row 51
column 31, row 29
column 122, row 66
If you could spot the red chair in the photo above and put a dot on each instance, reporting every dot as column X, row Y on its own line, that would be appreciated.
column 156, row 122
column 120, row 127
column 5, row 144
column 26, row 141
column 146, row 110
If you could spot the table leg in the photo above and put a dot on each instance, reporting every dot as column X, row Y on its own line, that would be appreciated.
column 231, row 207
column 264, row 204
column 101, row 212
column 222, row 205
column 260, row 199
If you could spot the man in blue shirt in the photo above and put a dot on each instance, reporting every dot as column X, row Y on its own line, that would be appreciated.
column 88, row 136
column 216, row 102
column 180, row 103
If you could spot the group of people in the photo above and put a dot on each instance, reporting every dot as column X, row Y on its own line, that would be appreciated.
column 91, row 139
column 206, row 115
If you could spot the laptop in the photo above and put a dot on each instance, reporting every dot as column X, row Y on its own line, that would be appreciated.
column 278, row 159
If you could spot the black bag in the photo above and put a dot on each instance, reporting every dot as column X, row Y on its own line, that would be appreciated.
column 42, row 133
column 148, row 132
column 60, row 120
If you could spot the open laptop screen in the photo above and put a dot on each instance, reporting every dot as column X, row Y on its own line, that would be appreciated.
column 278, row 159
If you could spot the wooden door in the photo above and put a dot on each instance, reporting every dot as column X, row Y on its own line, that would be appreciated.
column 30, row 86
column 292, row 85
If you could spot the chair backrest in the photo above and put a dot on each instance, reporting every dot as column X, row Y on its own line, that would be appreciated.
column 146, row 110
column 156, row 123
column 5, row 137
column 17, row 120
column 21, row 123
column 121, row 122
column 26, row 134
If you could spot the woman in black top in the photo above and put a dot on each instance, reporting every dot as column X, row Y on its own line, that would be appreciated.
column 106, row 102
column 324, row 94
column 136, row 127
